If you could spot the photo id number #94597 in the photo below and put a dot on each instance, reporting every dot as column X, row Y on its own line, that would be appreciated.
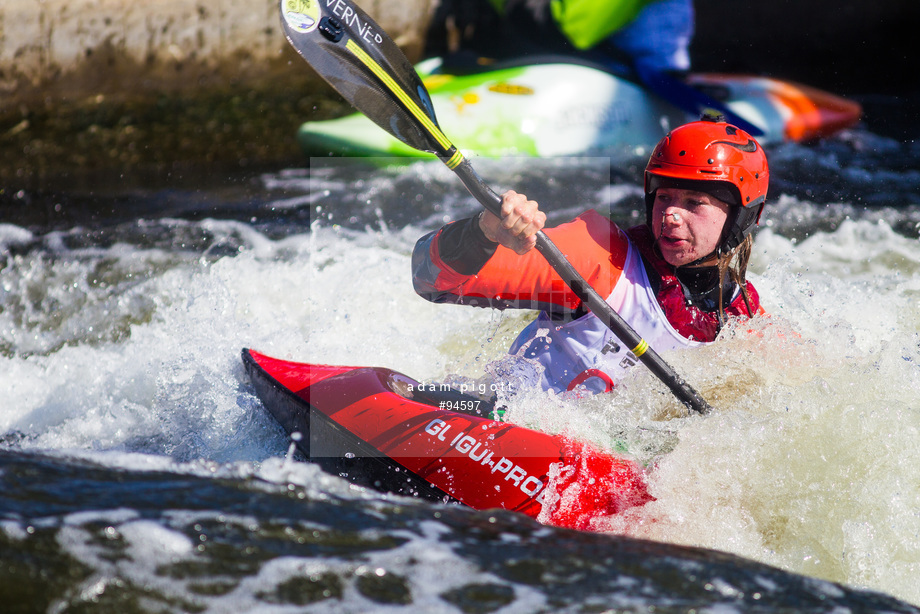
column 459, row 405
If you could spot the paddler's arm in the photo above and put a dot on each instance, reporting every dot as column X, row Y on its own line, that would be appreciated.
column 464, row 247
column 459, row 264
column 467, row 245
column 447, row 259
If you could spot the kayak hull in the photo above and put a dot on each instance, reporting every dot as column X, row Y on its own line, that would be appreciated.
column 384, row 430
column 787, row 111
column 567, row 109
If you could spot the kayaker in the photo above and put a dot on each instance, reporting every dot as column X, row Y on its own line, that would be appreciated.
column 652, row 34
column 676, row 279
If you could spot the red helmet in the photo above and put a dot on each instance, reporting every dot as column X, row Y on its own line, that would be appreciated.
column 717, row 158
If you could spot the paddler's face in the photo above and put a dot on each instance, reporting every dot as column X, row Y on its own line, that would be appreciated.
column 687, row 224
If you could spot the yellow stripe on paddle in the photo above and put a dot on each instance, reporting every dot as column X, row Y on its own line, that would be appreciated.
column 404, row 98
column 454, row 161
column 640, row 349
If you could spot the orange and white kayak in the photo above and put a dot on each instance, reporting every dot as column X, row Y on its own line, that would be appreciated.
column 784, row 110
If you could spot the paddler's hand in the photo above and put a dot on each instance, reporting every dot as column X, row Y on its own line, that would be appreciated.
column 518, row 227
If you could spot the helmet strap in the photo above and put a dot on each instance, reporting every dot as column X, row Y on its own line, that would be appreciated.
column 740, row 223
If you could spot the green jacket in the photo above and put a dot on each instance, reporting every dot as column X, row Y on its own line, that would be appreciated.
column 587, row 22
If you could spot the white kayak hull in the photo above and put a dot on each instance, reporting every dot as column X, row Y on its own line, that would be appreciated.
column 566, row 109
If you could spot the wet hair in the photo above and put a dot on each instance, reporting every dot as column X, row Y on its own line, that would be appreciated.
column 735, row 263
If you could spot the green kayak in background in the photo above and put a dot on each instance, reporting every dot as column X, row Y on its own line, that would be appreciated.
column 560, row 107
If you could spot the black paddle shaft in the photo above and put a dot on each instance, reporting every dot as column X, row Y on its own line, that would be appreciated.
column 363, row 64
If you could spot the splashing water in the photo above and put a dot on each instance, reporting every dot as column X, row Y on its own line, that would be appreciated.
column 120, row 348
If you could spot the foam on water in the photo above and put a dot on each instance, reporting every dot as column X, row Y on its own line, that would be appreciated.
column 807, row 462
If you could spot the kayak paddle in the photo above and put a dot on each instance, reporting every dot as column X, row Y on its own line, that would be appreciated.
column 363, row 64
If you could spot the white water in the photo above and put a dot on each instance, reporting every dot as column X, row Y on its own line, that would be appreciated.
column 810, row 466
column 807, row 463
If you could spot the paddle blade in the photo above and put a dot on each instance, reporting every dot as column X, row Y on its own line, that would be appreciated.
column 363, row 64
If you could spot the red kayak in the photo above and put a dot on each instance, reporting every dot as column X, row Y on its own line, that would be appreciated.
column 381, row 429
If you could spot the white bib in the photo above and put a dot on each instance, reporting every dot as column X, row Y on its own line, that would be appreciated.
column 585, row 352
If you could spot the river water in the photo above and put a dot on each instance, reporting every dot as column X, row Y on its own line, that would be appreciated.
column 141, row 474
